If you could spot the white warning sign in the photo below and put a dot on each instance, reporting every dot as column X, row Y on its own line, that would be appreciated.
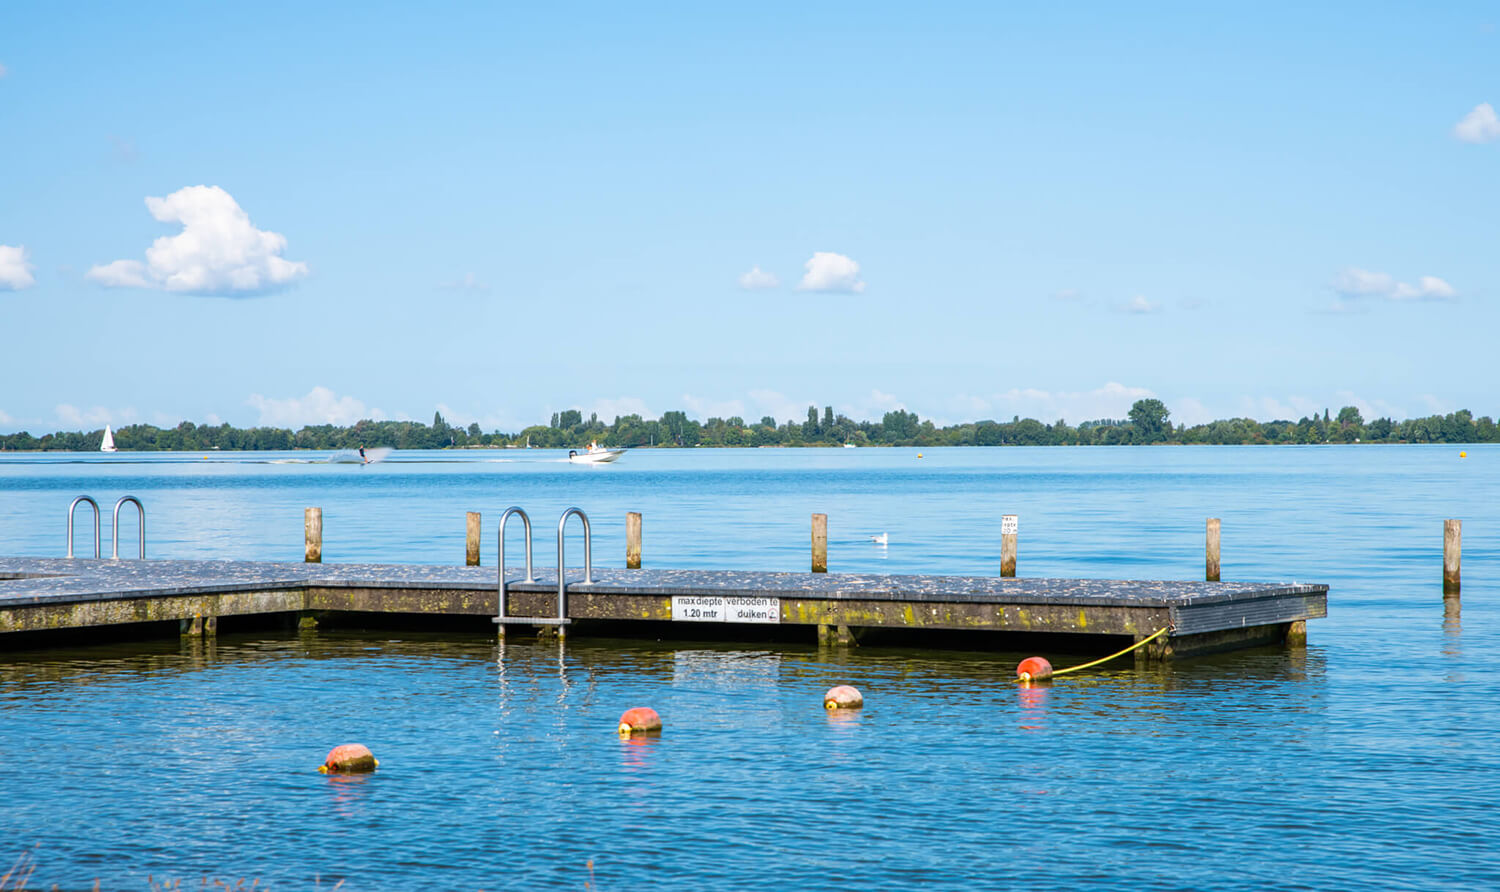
column 720, row 609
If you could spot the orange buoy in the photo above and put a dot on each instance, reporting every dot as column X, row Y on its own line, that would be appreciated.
column 351, row 758
column 1034, row 669
column 639, row 720
column 1463, row 455
column 843, row 697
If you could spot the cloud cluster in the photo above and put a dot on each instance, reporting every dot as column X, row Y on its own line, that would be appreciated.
column 71, row 416
column 15, row 271
column 320, row 406
column 1112, row 400
column 1479, row 126
column 824, row 271
column 758, row 279
column 218, row 251
column 1356, row 283
column 827, row 271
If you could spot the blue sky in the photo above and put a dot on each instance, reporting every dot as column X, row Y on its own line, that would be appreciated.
column 282, row 214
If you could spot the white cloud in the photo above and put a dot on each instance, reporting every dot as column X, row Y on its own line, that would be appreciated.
column 1139, row 305
column 218, row 251
column 705, row 408
column 827, row 271
column 15, row 271
column 320, row 406
column 1190, row 410
column 1354, row 282
column 1269, row 408
column 70, row 416
column 1112, row 400
column 1068, row 295
column 4, row 418
column 1479, row 126
column 1435, row 405
column 777, row 405
column 610, row 409
column 3, row 71
column 758, row 279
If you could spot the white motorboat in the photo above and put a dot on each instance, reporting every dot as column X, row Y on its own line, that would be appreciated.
column 594, row 455
column 109, row 441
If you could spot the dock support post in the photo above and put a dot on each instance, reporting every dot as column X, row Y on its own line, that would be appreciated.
column 1452, row 551
column 312, row 528
column 471, row 538
column 1211, row 557
column 194, row 628
column 820, row 543
column 632, row 540
column 835, row 633
column 1296, row 633
column 1009, row 529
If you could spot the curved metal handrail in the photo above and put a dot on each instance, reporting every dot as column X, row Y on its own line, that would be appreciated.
column 73, row 507
column 500, row 570
column 115, row 521
column 588, row 559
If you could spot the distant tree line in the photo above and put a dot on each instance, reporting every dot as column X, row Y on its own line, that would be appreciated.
column 1148, row 423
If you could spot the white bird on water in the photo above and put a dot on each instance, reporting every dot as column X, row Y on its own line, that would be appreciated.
column 882, row 539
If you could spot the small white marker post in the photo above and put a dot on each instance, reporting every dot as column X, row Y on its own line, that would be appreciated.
column 1010, row 527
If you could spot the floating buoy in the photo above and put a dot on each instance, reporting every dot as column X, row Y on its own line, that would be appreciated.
column 351, row 758
column 639, row 720
column 843, row 697
column 919, row 455
column 1463, row 455
column 1034, row 669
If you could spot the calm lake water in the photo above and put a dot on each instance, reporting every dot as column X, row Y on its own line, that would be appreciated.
column 1364, row 760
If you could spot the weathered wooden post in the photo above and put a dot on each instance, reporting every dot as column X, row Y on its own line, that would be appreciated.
column 1211, row 561
column 820, row 543
column 1452, row 550
column 632, row 540
column 471, row 538
column 312, row 528
column 1010, row 527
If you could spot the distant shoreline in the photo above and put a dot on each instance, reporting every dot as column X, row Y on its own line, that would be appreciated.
column 1148, row 424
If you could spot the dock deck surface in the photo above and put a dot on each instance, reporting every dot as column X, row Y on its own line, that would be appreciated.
column 54, row 593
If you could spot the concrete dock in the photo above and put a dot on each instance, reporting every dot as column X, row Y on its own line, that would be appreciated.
column 42, row 594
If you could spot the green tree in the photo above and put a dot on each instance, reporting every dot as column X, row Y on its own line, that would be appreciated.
column 1149, row 418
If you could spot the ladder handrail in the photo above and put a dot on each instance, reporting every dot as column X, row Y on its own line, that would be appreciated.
column 588, row 559
column 73, row 507
column 500, row 570
column 115, row 522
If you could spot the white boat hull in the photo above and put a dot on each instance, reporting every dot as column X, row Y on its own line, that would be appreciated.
column 597, row 457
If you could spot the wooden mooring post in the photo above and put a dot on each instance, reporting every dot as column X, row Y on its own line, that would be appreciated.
column 471, row 538
column 1452, row 551
column 820, row 543
column 632, row 540
column 312, row 529
column 1211, row 551
column 1010, row 527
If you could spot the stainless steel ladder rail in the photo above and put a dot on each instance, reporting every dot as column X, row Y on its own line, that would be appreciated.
column 588, row 561
column 74, row 507
column 115, row 522
column 502, row 618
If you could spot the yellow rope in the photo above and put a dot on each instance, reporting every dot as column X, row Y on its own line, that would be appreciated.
column 1142, row 643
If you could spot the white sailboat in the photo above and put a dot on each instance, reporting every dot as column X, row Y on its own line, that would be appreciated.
column 109, row 441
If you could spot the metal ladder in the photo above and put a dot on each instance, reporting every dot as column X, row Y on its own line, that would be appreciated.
column 562, row 576
column 115, row 520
